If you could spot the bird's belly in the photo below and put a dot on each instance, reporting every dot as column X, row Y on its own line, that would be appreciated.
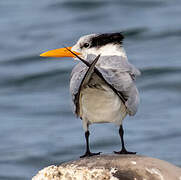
column 101, row 105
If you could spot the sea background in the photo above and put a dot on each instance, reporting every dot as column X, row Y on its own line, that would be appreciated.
column 37, row 126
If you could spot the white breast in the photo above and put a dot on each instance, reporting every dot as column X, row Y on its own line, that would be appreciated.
column 101, row 105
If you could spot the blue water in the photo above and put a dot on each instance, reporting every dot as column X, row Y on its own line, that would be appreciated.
column 38, row 127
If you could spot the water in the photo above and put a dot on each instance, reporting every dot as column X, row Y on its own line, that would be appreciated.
column 38, row 127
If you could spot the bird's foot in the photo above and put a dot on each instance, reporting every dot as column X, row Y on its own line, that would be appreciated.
column 88, row 154
column 124, row 151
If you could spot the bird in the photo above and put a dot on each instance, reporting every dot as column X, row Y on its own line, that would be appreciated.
column 102, row 83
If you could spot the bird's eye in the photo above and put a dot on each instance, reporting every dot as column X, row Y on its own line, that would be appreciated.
column 86, row 45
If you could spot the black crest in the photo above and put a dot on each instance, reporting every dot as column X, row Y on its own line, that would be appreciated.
column 107, row 38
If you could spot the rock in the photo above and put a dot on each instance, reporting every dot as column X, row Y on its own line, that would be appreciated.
column 112, row 167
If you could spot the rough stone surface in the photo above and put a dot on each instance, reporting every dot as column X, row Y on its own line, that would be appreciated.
column 112, row 167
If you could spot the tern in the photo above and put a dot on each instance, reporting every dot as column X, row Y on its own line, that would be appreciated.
column 102, row 84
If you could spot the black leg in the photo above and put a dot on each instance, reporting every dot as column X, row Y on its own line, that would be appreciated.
column 123, row 150
column 88, row 153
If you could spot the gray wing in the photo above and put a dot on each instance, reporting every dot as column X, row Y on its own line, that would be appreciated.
column 123, row 83
column 84, row 81
column 118, row 63
column 117, row 71
column 76, row 78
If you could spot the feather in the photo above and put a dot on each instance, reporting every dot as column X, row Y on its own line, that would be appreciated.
column 85, row 81
column 117, row 72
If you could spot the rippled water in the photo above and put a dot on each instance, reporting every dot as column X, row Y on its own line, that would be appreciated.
column 38, row 127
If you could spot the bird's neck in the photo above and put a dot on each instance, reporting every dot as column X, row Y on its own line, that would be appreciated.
column 108, row 50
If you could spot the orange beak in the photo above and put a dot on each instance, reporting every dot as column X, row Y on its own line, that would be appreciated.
column 62, row 52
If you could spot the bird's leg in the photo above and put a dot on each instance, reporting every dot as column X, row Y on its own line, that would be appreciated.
column 123, row 150
column 88, row 153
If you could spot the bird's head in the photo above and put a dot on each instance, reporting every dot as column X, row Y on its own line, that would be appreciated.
column 105, row 44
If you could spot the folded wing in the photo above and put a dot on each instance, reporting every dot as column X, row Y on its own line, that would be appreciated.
column 117, row 72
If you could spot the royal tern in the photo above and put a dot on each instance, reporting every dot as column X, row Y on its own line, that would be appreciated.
column 102, row 84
